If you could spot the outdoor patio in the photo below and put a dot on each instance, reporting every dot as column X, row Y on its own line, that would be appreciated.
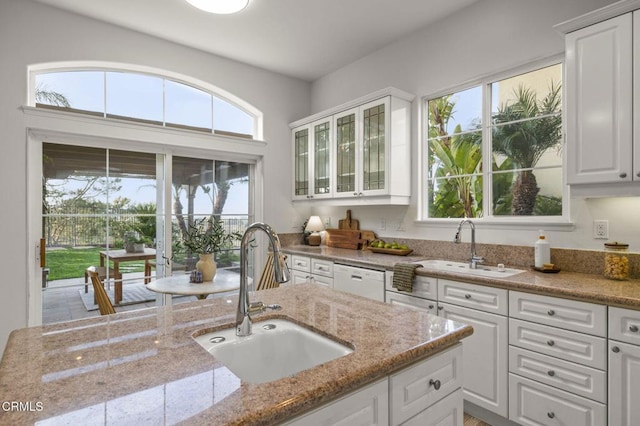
column 62, row 300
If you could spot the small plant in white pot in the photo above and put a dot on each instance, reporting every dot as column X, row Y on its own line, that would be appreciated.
column 206, row 237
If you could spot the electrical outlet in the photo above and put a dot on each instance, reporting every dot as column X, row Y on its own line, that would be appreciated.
column 383, row 224
column 327, row 222
column 601, row 229
column 400, row 226
column 294, row 222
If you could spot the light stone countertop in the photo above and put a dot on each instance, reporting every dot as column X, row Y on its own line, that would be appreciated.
column 143, row 367
column 572, row 285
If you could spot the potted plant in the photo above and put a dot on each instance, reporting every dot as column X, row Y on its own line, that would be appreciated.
column 205, row 238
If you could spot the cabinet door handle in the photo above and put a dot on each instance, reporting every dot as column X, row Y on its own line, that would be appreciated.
column 623, row 175
column 440, row 308
column 435, row 383
column 633, row 328
column 431, row 306
column 356, row 277
column 551, row 373
column 550, row 342
column 467, row 296
column 551, row 414
column 551, row 312
column 615, row 349
column 638, row 174
column 355, row 194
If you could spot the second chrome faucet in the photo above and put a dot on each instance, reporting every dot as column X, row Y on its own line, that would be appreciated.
column 474, row 260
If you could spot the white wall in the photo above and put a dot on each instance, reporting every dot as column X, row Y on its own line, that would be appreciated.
column 33, row 33
column 489, row 36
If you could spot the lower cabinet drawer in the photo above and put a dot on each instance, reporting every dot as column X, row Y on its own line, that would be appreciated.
column 575, row 378
column 325, row 281
column 448, row 411
column 411, row 302
column 568, row 345
column 532, row 403
column 424, row 384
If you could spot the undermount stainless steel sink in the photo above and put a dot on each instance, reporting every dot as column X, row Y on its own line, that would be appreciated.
column 463, row 268
column 277, row 348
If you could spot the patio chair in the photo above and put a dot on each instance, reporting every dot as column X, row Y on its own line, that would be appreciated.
column 102, row 273
column 267, row 279
column 104, row 303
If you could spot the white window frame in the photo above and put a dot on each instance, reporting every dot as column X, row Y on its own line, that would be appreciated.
column 558, row 223
column 102, row 66
column 58, row 126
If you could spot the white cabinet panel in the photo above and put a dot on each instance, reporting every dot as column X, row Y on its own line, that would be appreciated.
column 624, row 384
column 535, row 404
column 599, row 102
column 423, row 287
column 448, row 412
column 425, row 305
column 301, row 263
column 424, row 383
column 484, row 298
column 565, row 375
column 624, row 325
column 569, row 314
column 322, row 267
column 368, row 406
column 569, row 345
column 486, row 357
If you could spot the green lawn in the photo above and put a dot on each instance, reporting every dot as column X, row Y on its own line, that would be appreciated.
column 72, row 262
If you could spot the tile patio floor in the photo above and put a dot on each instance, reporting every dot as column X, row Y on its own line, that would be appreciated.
column 61, row 301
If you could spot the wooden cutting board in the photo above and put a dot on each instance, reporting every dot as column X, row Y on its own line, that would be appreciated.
column 343, row 238
column 348, row 223
column 366, row 237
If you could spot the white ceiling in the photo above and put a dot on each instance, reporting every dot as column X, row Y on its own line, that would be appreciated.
column 301, row 38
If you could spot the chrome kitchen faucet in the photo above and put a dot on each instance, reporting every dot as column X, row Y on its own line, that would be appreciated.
column 475, row 259
column 280, row 270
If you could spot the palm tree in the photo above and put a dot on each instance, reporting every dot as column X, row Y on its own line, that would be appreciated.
column 458, row 158
column 532, row 128
column 50, row 97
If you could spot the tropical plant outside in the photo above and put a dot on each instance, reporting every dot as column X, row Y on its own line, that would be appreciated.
column 523, row 130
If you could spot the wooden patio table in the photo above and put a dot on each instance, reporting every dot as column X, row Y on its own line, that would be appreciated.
column 118, row 256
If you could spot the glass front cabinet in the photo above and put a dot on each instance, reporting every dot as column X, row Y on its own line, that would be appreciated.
column 312, row 160
column 358, row 153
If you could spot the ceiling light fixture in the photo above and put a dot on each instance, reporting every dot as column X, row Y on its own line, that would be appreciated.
column 222, row 7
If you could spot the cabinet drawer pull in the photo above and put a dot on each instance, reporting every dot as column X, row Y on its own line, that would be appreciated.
column 615, row 349
column 550, row 342
column 551, row 373
column 440, row 308
column 633, row 328
column 638, row 174
column 551, row 312
column 431, row 306
column 623, row 175
column 435, row 383
column 467, row 296
column 551, row 414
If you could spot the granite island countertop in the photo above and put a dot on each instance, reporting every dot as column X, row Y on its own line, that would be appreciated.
column 143, row 367
column 579, row 286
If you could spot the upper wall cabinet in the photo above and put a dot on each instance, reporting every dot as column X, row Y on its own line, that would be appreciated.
column 357, row 153
column 602, row 84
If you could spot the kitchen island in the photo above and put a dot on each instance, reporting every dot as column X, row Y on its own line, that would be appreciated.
column 143, row 367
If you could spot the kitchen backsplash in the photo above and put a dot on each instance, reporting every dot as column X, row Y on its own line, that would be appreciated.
column 570, row 260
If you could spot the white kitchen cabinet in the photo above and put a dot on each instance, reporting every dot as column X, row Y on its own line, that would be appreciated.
column 624, row 367
column 425, row 393
column 486, row 357
column 423, row 297
column 369, row 154
column 305, row 270
column 535, row 404
column 558, row 361
column 599, row 83
column 312, row 167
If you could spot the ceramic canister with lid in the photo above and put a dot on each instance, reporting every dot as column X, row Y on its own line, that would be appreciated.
column 616, row 260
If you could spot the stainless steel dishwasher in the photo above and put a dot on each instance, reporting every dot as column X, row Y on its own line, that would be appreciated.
column 361, row 281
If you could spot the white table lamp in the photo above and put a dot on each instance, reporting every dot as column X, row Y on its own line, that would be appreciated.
column 314, row 225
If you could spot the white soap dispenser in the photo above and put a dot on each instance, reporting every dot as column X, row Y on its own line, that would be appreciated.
column 542, row 251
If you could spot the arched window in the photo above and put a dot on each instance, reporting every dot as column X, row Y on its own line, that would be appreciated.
column 143, row 95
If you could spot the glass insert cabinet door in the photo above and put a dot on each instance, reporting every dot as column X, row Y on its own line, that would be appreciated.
column 361, row 150
column 312, row 160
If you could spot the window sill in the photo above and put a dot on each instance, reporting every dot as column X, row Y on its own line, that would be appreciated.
column 505, row 224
